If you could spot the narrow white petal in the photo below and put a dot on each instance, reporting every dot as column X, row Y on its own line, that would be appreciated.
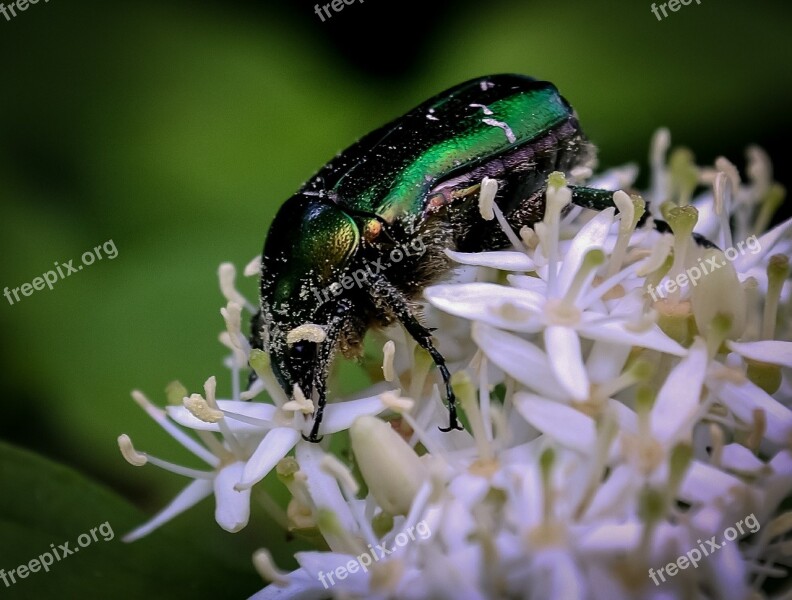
column 526, row 282
column 678, row 400
column 743, row 398
column 568, row 426
column 498, row 305
column 505, row 260
column 769, row 351
column 518, row 358
column 727, row 570
column 316, row 564
column 187, row 498
column 653, row 338
column 273, row 447
column 738, row 458
column 611, row 538
column 765, row 243
column 614, row 497
column 340, row 415
column 625, row 416
column 324, row 488
column 555, row 575
column 606, row 360
column 254, row 410
column 566, row 362
column 301, row 586
column 592, row 235
column 233, row 507
column 705, row 483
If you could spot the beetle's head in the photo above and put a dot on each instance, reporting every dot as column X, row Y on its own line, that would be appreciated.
column 309, row 244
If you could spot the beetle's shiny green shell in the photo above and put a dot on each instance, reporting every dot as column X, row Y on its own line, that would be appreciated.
column 391, row 170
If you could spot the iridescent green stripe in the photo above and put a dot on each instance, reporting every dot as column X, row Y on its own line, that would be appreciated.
column 527, row 115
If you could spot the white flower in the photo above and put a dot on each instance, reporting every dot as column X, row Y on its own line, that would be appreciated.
column 242, row 441
column 609, row 432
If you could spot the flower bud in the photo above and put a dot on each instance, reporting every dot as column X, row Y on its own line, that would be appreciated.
column 390, row 467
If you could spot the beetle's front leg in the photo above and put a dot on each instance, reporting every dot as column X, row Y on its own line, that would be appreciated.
column 324, row 355
column 387, row 296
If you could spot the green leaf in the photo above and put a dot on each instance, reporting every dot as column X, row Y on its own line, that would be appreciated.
column 44, row 505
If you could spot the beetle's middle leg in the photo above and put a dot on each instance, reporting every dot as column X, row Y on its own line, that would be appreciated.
column 387, row 296
column 597, row 199
column 602, row 199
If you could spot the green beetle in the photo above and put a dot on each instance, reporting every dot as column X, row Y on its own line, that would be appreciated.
column 416, row 179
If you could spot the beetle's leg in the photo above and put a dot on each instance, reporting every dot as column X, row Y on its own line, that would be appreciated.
column 386, row 295
column 602, row 199
column 596, row 199
column 324, row 356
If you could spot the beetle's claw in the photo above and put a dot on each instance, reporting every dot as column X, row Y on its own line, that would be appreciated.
column 453, row 424
column 312, row 438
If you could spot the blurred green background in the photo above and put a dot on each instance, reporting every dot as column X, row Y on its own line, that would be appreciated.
column 176, row 129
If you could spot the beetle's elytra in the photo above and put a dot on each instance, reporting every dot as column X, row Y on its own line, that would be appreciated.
column 418, row 177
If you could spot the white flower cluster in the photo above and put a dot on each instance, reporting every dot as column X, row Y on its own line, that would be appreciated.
column 606, row 433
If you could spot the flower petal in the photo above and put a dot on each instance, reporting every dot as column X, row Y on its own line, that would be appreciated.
column 319, row 565
column 743, row 398
column 566, row 362
column 498, row 305
column 253, row 410
column 705, row 483
column 592, row 235
column 324, row 488
column 679, row 399
column 766, row 242
column 301, row 586
column 652, row 338
column 518, row 358
column 768, row 351
column 340, row 415
column 187, row 498
column 233, row 507
column 568, row 426
column 739, row 459
column 273, row 447
column 505, row 260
